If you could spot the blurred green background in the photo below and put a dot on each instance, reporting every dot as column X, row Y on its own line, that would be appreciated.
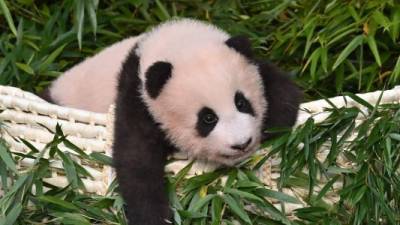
column 328, row 46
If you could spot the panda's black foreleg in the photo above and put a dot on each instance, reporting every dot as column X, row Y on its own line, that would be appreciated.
column 139, row 152
column 141, row 182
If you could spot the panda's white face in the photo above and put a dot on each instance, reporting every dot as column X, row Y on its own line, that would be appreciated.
column 230, row 133
column 212, row 106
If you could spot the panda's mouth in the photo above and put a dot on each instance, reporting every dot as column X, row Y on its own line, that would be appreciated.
column 238, row 154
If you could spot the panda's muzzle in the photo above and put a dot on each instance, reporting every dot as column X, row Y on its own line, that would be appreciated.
column 243, row 146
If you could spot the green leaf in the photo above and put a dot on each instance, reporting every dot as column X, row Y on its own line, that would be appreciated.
column 395, row 24
column 91, row 9
column 396, row 72
column 192, row 214
column 236, row 208
column 353, row 13
column 7, row 15
column 381, row 19
column 243, row 194
column 278, row 195
column 164, row 11
column 324, row 59
column 325, row 189
column 360, row 100
column 201, row 203
column 58, row 201
column 309, row 31
column 200, row 180
column 6, row 157
column 357, row 41
column 182, row 173
column 80, row 17
column 216, row 210
column 71, row 218
column 374, row 49
column 356, row 196
column 395, row 136
column 101, row 158
column 29, row 145
column 75, row 148
column 26, row 68
column 69, row 167
column 50, row 59
column 13, row 215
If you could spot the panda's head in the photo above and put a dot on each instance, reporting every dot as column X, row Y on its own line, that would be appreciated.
column 210, row 103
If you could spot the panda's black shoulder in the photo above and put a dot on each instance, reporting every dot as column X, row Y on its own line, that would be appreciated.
column 133, row 119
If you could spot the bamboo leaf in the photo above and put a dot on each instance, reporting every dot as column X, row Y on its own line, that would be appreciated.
column 13, row 215
column 381, row 19
column 164, row 11
column 7, row 15
column 50, row 59
column 357, row 41
column 58, row 201
column 374, row 49
column 101, row 158
column 360, row 100
column 80, row 17
column 278, row 195
column 90, row 6
column 396, row 72
column 6, row 158
column 237, row 208
column 243, row 194
column 324, row 59
column 216, row 212
column 26, row 68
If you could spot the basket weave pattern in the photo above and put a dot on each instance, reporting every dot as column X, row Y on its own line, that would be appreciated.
column 22, row 112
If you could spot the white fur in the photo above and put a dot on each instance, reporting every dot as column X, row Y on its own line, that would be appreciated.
column 206, row 72
column 91, row 85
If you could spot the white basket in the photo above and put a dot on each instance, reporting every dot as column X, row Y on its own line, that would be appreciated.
column 92, row 132
column 22, row 112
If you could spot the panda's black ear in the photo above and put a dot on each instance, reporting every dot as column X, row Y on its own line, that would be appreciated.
column 157, row 75
column 283, row 98
column 241, row 44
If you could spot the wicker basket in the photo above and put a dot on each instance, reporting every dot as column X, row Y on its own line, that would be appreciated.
column 22, row 112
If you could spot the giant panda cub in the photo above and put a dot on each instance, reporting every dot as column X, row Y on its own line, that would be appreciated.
column 185, row 85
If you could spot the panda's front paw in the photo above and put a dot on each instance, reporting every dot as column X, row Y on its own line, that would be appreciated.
column 159, row 215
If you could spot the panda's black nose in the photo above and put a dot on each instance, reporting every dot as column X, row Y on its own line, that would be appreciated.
column 242, row 146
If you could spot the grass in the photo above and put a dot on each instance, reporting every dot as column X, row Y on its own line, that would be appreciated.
column 329, row 47
column 368, row 192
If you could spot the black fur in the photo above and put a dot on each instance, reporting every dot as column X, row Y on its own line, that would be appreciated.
column 45, row 95
column 140, row 146
column 242, row 104
column 204, row 127
column 140, row 151
column 157, row 76
column 283, row 99
column 282, row 95
column 241, row 44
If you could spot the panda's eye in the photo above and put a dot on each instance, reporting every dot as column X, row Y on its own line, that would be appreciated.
column 242, row 104
column 210, row 118
column 207, row 119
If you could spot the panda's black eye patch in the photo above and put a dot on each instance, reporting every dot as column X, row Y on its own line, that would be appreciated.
column 206, row 121
column 242, row 104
